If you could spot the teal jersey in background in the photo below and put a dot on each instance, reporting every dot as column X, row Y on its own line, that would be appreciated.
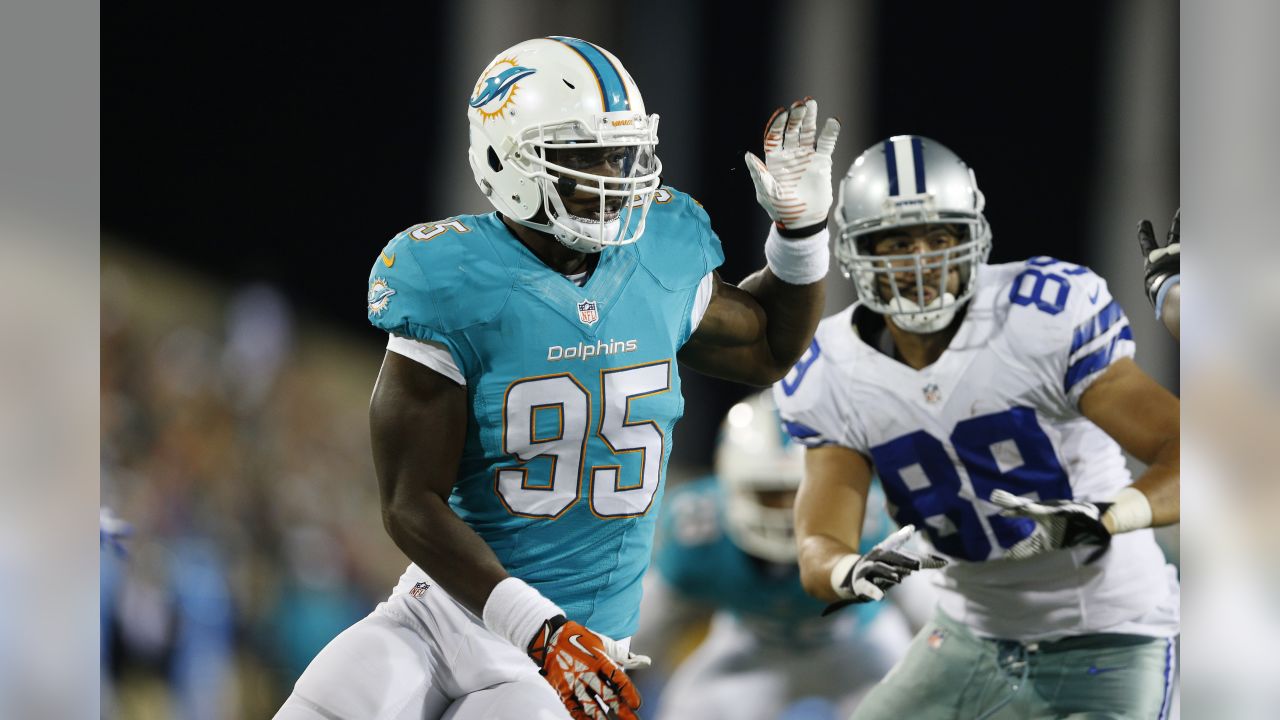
column 696, row 557
column 574, row 391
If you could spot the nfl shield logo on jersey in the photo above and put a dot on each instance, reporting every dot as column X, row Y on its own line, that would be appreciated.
column 587, row 312
column 932, row 394
column 419, row 589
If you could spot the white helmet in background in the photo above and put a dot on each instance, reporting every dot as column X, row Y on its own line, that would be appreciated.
column 910, row 180
column 543, row 113
column 760, row 469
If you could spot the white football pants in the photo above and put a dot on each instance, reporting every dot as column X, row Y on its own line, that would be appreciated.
column 421, row 658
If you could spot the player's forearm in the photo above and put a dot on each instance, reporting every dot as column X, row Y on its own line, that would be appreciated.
column 792, row 313
column 1160, row 488
column 433, row 537
column 818, row 557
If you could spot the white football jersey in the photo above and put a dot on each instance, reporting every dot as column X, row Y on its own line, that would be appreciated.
column 999, row 409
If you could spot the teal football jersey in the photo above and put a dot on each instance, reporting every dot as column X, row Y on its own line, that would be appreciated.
column 695, row 555
column 573, row 391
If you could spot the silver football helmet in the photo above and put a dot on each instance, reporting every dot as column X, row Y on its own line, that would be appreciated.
column 903, row 181
column 760, row 469
column 544, row 115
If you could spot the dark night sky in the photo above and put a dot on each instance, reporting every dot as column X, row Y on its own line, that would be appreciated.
column 244, row 143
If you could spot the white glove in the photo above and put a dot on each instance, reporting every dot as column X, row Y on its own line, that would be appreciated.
column 626, row 659
column 865, row 578
column 1059, row 524
column 793, row 183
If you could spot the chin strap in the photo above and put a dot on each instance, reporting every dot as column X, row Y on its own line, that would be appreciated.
column 933, row 317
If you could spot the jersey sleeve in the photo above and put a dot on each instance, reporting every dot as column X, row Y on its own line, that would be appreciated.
column 1080, row 329
column 401, row 302
column 807, row 404
column 681, row 251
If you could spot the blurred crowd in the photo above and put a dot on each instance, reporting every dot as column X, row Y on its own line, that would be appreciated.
column 235, row 443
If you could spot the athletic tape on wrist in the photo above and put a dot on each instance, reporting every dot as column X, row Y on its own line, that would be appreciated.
column 1130, row 510
column 840, row 572
column 1165, row 287
column 516, row 612
column 798, row 261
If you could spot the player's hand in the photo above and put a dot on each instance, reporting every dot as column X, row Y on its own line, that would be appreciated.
column 1161, row 263
column 793, row 183
column 1059, row 524
column 586, row 669
column 884, row 566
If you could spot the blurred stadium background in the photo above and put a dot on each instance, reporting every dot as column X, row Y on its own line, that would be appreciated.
column 255, row 163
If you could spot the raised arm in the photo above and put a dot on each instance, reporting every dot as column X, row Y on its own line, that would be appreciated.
column 754, row 332
column 1162, row 273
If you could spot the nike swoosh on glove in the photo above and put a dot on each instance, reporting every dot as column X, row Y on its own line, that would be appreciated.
column 1059, row 524
column 582, row 667
column 884, row 566
column 793, row 182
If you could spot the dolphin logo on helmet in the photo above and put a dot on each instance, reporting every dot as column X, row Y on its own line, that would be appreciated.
column 497, row 86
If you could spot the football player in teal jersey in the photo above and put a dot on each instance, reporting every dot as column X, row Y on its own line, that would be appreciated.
column 522, row 419
column 769, row 652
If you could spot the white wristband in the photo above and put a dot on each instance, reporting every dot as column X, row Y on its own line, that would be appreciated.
column 516, row 612
column 798, row 261
column 1130, row 510
column 840, row 571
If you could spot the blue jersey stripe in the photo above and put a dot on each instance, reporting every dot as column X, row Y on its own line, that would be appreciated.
column 799, row 431
column 1096, row 325
column 1095, row 361
column 917, row 153
column 613, row 91
column 891, row 164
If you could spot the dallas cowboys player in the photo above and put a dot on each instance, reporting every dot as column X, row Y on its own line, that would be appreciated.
column 725, row 552
column 993, row 401
column 522, row 418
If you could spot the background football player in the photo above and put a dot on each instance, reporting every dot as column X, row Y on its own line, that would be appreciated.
column 521, row 422
column 725, row 553
column 993, row 402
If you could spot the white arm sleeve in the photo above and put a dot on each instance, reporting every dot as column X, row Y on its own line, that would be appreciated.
column 706, row 288
column 434, row 356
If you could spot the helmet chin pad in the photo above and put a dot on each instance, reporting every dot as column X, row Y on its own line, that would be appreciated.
column 934, row 316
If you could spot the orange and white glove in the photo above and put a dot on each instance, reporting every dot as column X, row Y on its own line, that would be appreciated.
column 587, row 670
column 793, row 182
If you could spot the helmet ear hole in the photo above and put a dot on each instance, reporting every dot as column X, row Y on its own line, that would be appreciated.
column 494, row 163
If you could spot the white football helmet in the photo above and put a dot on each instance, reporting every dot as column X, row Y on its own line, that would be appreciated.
column 910, row 180
column 756, row 459
column 545, row 113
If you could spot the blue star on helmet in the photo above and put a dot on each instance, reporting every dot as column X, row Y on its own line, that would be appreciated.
column 498, row 85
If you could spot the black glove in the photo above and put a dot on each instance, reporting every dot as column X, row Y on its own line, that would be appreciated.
column 1161, row 263
column 1059, row 524
column 885, row 565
